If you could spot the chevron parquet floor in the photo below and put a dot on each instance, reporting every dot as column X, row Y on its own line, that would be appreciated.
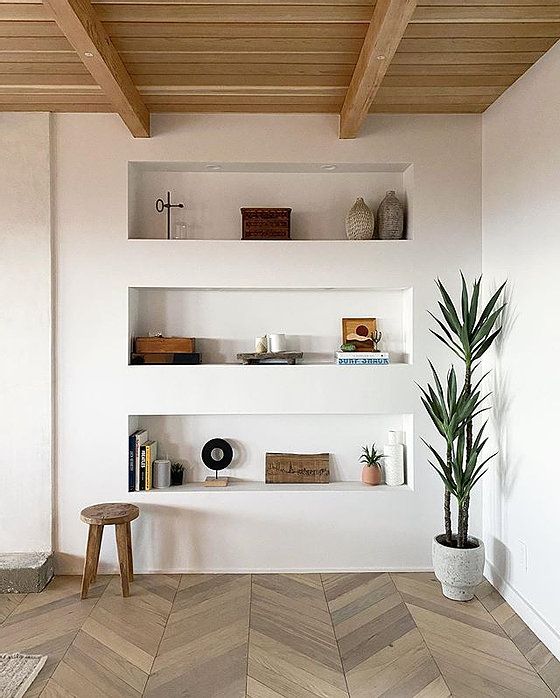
column 276, row 636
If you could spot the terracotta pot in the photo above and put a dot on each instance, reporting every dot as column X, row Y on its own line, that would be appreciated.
column 371, row 475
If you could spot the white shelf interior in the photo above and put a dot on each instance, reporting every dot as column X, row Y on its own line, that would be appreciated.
column 225, row 322
column 319, row 198
column 181, row 438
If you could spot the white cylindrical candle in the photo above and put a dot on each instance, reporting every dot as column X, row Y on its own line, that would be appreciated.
column 276, row 342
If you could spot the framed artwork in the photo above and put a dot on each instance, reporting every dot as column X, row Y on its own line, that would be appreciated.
column 359, row 331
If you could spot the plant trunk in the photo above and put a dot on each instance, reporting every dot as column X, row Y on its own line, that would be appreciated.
column 463, row 523
column 447, row 513
column 463, row 519
column 447, row 503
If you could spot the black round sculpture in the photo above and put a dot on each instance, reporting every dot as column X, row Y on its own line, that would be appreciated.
column 217, row 463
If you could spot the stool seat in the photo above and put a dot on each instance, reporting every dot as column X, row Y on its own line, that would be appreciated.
column 107, row 514
column 119, row 515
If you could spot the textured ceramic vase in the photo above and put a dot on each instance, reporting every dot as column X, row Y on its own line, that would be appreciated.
column 371, row 475
column 390, row 218
column 393, row 461
column 359, row 221
column 458, row 569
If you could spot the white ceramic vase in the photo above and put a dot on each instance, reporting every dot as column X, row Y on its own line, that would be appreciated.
column 393, row 461
column 458, row 569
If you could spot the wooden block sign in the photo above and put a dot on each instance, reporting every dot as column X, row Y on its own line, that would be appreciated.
column 297, row 467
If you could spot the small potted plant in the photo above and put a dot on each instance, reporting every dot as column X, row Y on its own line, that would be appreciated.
column 177, row 470
column 371, row 472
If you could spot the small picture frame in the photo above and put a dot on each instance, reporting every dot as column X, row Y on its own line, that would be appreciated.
column 359, row 331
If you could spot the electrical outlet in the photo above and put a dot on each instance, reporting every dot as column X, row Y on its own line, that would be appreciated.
column 523, row 561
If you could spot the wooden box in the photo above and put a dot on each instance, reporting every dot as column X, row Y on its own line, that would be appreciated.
column 164, row 345
column 296, row 467
column 177, row 358
column 265, row 223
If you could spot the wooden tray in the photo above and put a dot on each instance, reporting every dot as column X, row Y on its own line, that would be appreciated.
column 288, row 357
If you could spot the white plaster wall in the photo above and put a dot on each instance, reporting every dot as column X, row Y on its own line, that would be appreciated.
column 521, row 242
column 25, row 331
column 97, row 391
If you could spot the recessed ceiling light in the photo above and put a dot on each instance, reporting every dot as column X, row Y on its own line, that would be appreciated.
column 214, row 168
column 380, row 57
column 328, row 167
column 88, row 54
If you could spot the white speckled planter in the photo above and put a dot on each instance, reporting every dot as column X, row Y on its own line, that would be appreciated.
column 458, row 569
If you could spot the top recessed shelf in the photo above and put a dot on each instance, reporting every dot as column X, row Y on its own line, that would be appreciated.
column 319, row 194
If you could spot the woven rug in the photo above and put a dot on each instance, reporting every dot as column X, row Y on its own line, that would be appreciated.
column 17, row 673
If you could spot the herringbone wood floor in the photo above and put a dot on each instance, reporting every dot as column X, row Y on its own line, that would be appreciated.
column 271, row 636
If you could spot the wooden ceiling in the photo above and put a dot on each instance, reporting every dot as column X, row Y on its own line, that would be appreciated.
column 140, row 56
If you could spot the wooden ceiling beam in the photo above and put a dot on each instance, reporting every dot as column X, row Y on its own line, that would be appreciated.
column 79, row 23
column 387, row 27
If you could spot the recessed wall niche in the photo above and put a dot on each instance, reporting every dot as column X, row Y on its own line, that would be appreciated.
column 181, row 438
column 320, row 195
column 225, row 322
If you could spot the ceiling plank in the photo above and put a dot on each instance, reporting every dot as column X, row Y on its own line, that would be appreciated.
column 79, row 23
column 388, row 24
column 504, row 13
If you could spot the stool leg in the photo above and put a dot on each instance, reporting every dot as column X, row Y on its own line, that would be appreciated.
column 92, row 555
column 129, row 551
column 98, row 550
column 120, row 531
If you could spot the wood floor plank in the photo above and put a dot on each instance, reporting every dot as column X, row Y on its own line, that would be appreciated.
column 47, row 623
column 538, row 655
column 472, row 651
column 382, row 651
column 114, row 651
column 203, row 653
column 292, row 647
column 8, row 604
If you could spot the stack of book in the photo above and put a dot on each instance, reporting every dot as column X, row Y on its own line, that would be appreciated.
column 141, row 456
column 362, row 358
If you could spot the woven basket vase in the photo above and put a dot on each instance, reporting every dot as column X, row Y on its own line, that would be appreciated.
column 359, row 222
column 390, row 218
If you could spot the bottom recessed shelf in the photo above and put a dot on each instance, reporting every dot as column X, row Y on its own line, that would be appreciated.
column 254, row 486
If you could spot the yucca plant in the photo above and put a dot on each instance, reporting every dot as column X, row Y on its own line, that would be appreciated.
column 450, row 411
column 469, row 332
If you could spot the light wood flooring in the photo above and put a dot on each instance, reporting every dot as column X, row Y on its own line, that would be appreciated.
column 270, row 636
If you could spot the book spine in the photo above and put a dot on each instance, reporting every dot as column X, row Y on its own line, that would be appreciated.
column 142, row 468
column 131, row 463
column 149, row 467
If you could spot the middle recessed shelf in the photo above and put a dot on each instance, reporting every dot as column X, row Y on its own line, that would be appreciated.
column 226, row 321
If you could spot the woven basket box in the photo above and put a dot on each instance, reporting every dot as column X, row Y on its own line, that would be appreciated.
column 265, row 223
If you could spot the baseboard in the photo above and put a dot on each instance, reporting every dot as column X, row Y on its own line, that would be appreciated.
column 545, row 632
column 73, row 570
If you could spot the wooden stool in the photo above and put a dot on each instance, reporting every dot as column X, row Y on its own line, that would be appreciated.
column 98, row 516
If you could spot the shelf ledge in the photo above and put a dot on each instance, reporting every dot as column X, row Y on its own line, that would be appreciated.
column 254, row 486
